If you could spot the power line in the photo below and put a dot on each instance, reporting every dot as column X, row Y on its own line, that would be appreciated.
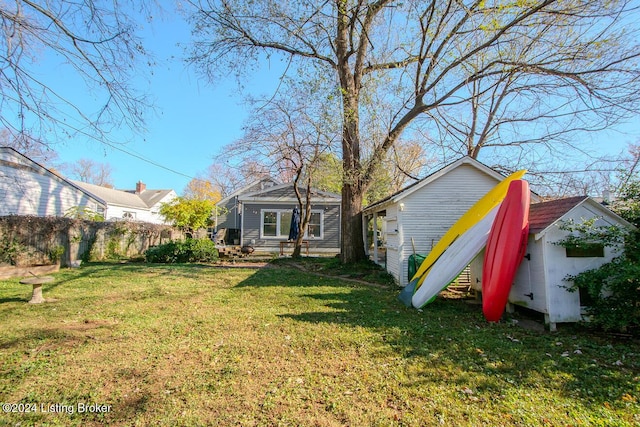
column 151, row 162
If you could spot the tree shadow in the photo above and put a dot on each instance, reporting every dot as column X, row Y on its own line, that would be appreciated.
column 454, row 334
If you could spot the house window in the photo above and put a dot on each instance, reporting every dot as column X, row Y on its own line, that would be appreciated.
column 277, row 223
column 128, row 215
column 270, row 224
column 285, row 223
column 314, row 229
column 591, row 251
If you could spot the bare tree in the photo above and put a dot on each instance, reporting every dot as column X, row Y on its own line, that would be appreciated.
column 92, row 172
column 25, row 146
column 93, row 40
column 585, row 48
column 288, row 136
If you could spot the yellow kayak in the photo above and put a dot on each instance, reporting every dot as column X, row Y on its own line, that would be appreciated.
column 478, row 211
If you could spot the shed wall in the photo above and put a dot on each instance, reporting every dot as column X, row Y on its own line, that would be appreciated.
column 564, row 306
column 429, row 212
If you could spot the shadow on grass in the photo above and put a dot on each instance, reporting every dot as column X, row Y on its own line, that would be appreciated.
column 16, row 299
column 448, row 342
column 453, row 333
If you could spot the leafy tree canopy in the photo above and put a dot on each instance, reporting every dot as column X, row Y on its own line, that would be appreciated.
column 188, row 214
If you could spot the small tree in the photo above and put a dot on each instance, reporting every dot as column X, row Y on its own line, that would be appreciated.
column 289, row 137
column 188, row 214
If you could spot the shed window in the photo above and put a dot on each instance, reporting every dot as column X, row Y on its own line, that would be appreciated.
column 591, row 251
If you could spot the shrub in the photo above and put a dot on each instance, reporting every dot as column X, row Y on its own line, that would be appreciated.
column 10, row 250
column 614, row 294
column 613, row 289
column 189, row 250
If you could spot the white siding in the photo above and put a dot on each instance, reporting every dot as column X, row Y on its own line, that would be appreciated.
column 543, row 277
column 117, row 212
column 28, row 189
column 526, row 290
column 392, row 238
column 562, row 305
column 428, row 213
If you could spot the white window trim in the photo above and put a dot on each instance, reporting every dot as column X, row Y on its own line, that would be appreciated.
column 278, row 212
column 132, row 213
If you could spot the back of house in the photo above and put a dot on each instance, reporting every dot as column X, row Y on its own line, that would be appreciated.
column 260, row 216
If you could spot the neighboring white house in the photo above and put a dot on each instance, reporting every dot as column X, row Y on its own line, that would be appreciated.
column 140, row 204
column 28, row 188
column 540, row 282
column 415, row 218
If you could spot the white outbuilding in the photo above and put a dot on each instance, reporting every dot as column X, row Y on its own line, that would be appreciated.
column 541, row 281
column 415, row 218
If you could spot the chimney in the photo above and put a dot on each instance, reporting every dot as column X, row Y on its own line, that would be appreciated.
column 140, row 187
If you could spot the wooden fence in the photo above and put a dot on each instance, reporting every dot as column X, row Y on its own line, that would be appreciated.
column 31, row 240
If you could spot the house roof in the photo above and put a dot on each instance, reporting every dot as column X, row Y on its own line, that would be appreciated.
column 54, row 174
column 153, row 197
column 285, row 193
column 248, row 187
column 145, row 200
column 396, row 197
column 545, row 214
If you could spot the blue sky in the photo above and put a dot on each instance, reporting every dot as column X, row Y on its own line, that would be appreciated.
column 194, row 119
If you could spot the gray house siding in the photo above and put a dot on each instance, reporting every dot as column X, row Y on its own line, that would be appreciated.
column 329, row 241
column 228, row 216
column 259, row 215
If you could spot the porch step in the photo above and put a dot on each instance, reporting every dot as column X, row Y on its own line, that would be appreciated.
column 230, row 251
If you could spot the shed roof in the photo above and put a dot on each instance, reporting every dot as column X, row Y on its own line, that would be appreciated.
column 544, row 214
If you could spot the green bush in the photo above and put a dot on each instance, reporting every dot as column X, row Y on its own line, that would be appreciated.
column 10, row 250
column 614, row 294
column 612, row 290
column 189, row 250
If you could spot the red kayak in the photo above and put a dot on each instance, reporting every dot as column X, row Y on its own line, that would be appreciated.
column 505, row 249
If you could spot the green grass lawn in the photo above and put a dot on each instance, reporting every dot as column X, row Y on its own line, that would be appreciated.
column 194, row 345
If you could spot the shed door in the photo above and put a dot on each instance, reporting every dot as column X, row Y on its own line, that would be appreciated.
column 522, row 291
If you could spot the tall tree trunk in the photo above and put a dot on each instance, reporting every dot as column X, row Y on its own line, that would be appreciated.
column 352, row 243
column 353, row 179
